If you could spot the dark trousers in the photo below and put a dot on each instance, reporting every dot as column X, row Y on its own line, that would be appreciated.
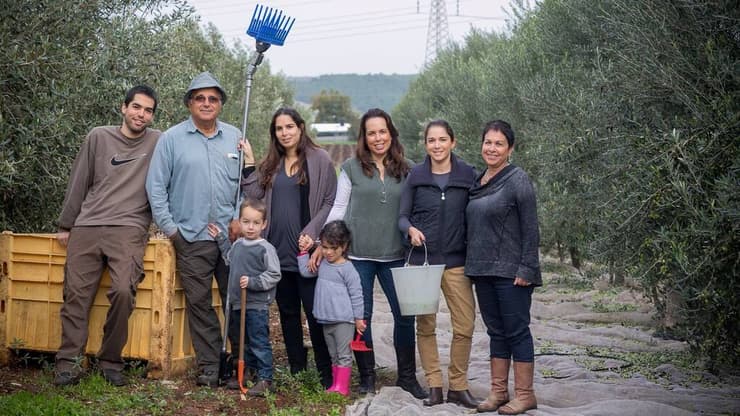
column 292, row 291
column 197, row 263
column 403, row 326
column 89, row 250
column 505, row 311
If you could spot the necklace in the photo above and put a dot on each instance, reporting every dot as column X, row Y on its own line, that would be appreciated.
column 488, row 175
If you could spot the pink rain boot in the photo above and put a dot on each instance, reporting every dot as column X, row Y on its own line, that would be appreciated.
column 344, row 378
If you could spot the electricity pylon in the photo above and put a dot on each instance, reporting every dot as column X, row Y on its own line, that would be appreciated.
column 438, row 33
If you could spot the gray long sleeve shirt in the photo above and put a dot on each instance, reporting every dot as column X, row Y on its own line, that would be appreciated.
column 338, row 293
column 257, row 260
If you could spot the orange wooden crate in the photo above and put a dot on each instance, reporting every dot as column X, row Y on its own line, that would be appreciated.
column 31, row 284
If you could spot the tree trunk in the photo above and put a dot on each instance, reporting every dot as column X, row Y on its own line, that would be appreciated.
column 575, row 257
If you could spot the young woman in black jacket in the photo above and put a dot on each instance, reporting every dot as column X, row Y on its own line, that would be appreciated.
column 432, row 211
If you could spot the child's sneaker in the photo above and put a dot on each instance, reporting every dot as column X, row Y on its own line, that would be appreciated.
column 259, row 389
column 250, row 375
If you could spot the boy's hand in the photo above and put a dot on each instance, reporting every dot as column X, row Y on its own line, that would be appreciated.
column 360, row 325
column 243, row 281
column 213, row 230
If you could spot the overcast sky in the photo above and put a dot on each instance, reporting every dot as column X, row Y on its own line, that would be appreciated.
column 350, row 36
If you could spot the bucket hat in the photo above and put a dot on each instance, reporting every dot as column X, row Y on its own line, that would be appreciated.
column 204, row 80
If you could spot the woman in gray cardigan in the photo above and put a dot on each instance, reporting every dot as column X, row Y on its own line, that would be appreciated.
column 503, row 261
column 297, row 181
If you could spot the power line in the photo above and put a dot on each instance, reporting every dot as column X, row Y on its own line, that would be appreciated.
column 299, row 29
column 351, row 32
column 388, row 20
column 369, row 33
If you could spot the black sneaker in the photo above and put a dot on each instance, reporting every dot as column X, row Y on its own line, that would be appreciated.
column 114, row 377
column 208, row 378
column 66, row 378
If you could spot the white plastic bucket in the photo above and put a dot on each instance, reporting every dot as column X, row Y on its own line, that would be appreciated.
column 417, row 287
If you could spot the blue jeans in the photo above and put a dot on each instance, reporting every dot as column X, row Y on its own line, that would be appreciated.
column 257, row 347
column 505, row 311
column 403, row 326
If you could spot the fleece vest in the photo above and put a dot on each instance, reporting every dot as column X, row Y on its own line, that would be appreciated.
column 372, row 214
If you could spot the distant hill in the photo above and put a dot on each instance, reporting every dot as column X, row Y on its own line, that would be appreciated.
column 366, row 91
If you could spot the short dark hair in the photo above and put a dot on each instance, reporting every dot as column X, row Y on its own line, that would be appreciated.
column 336, row 233
column 141, row 89
column 501, row 127
column 440, row 123
column 256, row 205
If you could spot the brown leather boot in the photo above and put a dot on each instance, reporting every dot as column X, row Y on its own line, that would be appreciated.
column 524, row 392
column 499, row 386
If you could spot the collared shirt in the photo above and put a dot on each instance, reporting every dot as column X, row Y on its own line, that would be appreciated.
column 193, row 179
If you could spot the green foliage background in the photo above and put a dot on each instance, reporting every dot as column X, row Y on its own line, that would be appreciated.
column 628, row 120
column 65, row 66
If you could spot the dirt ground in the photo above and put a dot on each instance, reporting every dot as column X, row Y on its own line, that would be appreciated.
column 33, row 375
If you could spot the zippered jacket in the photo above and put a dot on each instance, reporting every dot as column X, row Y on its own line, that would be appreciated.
column 438, row 213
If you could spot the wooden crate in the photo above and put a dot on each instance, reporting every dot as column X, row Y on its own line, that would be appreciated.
column 31, row 284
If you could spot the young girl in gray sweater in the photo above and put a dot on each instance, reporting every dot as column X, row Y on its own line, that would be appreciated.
column 338, row 303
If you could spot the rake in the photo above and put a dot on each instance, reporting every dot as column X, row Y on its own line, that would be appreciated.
column 268, row 27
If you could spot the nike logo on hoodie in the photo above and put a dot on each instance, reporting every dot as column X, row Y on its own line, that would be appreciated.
column 115, row 162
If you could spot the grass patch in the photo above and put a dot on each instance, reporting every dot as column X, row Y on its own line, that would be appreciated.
column 567, row 284
column 602, row 306
column 556, row 267
column 308, row 393
column 548, row 372
column 28, row 404
column 604, row 303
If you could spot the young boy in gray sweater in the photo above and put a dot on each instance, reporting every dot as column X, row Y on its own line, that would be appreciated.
column 254, row 265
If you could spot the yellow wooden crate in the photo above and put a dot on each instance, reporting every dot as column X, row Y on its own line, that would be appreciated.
column 31, row 285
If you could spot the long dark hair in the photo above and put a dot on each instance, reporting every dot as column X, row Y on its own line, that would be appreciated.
column 271, row 163
column 394, row 161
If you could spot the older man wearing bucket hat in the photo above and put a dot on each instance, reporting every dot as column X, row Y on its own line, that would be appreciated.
column 192, row 181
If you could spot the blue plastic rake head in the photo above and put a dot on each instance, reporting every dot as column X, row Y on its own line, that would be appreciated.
column 269, row 25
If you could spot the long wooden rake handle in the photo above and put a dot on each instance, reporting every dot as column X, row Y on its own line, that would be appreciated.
column 242, row 320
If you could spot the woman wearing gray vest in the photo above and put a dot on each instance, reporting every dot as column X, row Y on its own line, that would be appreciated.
column 367, row 199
